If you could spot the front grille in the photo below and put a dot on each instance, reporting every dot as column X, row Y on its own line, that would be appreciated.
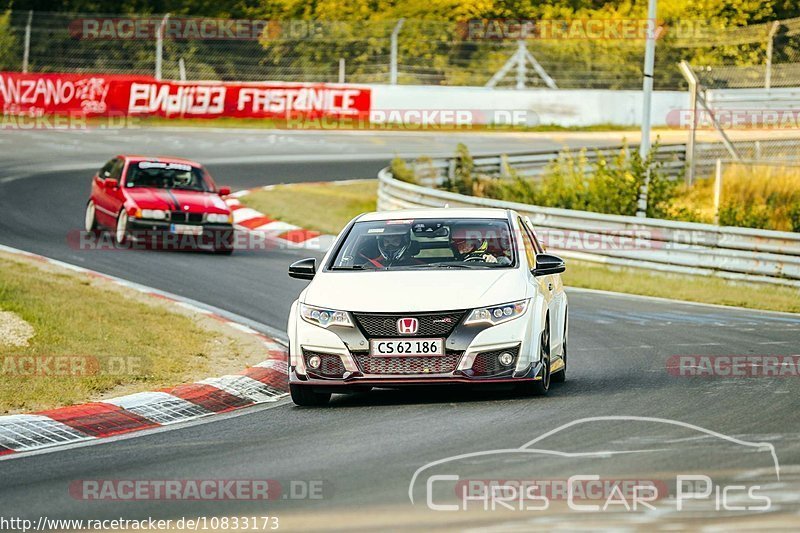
column 408, row 365
column 331, row 365
column 430, row 324
column 182, row 217
column 486, row 363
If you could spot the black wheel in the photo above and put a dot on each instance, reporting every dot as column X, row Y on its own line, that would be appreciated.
column 542, row 385
column 223, row 244
column 306, row 397
column 561, row 375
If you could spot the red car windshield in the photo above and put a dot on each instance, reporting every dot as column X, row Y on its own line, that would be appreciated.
column 161, row 175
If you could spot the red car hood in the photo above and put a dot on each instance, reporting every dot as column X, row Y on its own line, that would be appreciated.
column 177, row 200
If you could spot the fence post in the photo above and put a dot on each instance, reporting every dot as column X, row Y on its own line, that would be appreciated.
column 341, row 70
column 182, row 69
column 647, row 82
column 27, row 51
column 770, row 42
column 717, row 189
column 641, row 206
column 691, row 79
column 393, row 60
column 520, row 64
column 160, row 46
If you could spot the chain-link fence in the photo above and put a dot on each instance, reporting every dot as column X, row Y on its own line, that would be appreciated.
column 572, row 54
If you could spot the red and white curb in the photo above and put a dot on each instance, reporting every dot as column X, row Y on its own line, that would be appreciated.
column 281, row 233
column 264, row 382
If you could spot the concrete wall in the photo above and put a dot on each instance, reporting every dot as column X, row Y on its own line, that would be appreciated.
column 563, row 107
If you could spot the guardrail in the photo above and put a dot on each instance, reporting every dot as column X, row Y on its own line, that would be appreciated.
column 672, row 158
column 664, row 245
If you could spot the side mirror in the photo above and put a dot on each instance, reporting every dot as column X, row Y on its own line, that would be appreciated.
column 111, row 183
column 303, row 269
column 547, row 264
column 224, row 191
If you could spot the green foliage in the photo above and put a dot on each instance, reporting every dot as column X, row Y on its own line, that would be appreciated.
column 8, row 43
column 401, row 171
column 570, row 182
column 744, row 215
column 794, row 217
column 460, row 177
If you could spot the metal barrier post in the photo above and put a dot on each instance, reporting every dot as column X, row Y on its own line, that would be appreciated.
column 27, row 51
column 691, row 79
column 717, row 189
column 160, row 46
column 393, row 65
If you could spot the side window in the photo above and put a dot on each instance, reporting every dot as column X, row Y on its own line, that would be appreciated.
column 537, row 245
column 105, row 172
column 116, row 170
column 530, row 250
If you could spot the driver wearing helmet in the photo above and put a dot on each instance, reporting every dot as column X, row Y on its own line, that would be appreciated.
column 470, row 245
column 181, row 180
column 393, row 247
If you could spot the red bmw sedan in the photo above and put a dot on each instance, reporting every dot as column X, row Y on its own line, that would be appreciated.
column 169, row 202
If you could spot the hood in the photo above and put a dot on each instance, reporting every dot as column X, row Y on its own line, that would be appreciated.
column 415, row 291
column 176, row 200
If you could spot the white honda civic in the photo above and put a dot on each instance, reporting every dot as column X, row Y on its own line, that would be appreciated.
column 433, row 296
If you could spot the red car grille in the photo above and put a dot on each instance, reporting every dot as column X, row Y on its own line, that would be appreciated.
column 486, row 363
column 331, row 366
column 180, row 216
column 408, row 365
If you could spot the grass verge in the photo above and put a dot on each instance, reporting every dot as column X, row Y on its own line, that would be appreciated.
column 94, row 340
column 328, row 207
column 705, row 289
column 323, row 207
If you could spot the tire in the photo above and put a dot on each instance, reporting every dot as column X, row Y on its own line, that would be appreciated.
column 305, row 396
column 90, row 219
column 121, row 231
column 541, row 386
column 561, row 375
column 224, row 247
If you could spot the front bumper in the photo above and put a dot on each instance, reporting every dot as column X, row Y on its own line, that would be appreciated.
column 471, row 357
column 160, row 235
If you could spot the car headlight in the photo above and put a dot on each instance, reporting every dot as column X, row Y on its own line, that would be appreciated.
column 219, row 218
column 153, row 214
column 325, row 317
column 498, row 313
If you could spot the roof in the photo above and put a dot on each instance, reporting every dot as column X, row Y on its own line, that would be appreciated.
column 160, row 158
column 436, row 212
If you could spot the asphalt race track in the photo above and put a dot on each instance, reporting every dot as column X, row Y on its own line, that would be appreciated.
column 365, row 449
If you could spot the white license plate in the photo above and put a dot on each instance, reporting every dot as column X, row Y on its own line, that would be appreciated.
column 185, row 229
column 406, row 347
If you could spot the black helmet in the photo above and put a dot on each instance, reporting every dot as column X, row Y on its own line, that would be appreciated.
column 394, row 241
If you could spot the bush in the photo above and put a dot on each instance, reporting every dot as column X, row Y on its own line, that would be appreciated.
column 794, row 217
column 570, row 182
column 401, row 171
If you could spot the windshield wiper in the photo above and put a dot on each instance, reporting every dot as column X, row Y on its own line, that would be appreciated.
column 352, row 267
column 448, row 265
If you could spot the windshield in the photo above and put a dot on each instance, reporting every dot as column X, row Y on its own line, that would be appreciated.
column 442, row 243
column 161, row 175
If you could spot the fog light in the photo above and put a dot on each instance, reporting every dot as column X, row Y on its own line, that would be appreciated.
column 314, row 361
column 505, row 359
